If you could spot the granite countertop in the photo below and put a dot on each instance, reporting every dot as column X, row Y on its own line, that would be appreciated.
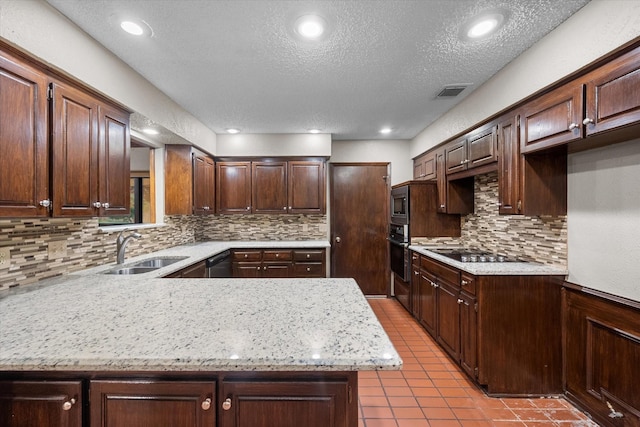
column 91, row 321
column 494, row 268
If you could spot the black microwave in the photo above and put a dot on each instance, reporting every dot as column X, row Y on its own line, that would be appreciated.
column 400, row 205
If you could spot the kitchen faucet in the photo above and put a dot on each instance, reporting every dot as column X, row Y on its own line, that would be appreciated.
column 121, row 245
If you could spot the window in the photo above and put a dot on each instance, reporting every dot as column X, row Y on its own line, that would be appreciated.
column 140, row 211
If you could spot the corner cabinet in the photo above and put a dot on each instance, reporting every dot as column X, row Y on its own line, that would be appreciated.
column 273, row 186
column 188, row 169
column 65, row 151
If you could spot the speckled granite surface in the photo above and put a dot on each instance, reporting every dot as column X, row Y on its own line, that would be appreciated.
column 494, row 268
column 125, row 323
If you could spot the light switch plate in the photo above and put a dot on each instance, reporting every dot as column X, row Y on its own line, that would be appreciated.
column 5, row 257
column 57, row 249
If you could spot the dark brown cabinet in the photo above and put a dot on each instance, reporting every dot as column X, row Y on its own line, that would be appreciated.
column 477, row 148
column 468, row 334
column 189, row 176
column 270, row 186
column 152, row 403
column 425, row 166
column 276, row 403
column 41, row 403
column 80, row 168
column 509, row 166
column 24, row 144
column 427, row 297
column 277, row 263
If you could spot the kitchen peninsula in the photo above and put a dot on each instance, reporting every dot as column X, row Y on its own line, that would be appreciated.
column 226, row 352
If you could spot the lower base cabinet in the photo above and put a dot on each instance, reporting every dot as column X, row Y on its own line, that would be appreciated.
column 278, row 263
column 163, row 399
column 41, row 404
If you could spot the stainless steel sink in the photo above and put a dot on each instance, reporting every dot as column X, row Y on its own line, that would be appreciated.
column 158, row 262
column 146, row 265
column 131, row 270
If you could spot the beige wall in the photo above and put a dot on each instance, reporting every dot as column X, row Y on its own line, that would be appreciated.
column 300, row 144
column 379, row 150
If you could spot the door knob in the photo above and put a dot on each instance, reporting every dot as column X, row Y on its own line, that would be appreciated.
column 338, row 240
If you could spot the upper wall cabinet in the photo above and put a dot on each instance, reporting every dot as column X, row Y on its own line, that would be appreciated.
column 189, row 181
column 80, row 169
column 601, row 107
column 425, row 166
column 270, row 186
column 24, row 146
column 475, row 149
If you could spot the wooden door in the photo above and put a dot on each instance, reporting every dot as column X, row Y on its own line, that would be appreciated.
column 115, row 166
column 306, row 187
column 233, row 187
column 152, row 403
column 47, row 404
column 269, row 187
column 75, row 147
column 359, row 224
column 24, row 175
column 286, row 404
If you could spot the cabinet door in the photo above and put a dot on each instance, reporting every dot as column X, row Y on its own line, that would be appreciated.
column 306, row 187
column 427, row 289
column 456, row 156
column 613, row 94
column 197, row 271
column 552, row 119
column 430, row 166
column 45, row 403
column 157, row 404
column 233, row 187
column 203, row 185
column 115, row 166
column 418, row 168
column 269, row 187
column 247, row 269
column 482, row 147
column 468, row 334
column 75, row 147
column 276, row 269
column 509, row 169
column 449, row 319
column 178, row 176
column 286, row 404
column 24, row 168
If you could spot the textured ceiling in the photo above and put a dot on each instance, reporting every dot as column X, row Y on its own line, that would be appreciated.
column 382, row 63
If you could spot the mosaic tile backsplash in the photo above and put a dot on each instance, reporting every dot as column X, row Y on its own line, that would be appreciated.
column 84, row 244
column 529, row 238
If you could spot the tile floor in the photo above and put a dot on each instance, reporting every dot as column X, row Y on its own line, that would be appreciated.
column 430, row 390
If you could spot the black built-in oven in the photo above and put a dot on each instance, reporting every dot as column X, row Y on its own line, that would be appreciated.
column 399, row 250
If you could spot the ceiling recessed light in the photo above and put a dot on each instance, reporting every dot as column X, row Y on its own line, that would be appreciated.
column 314, row 130
column 385, row 131
column 136, row 27
column 233, row 130
column 310, row 27
column 483, row 25
column 150, row 131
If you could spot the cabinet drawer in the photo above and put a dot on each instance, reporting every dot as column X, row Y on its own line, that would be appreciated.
column 468, row 283
column 312, row 255
column 309, row 269
column 247, row 255
column 449, row 274
column 276, row 255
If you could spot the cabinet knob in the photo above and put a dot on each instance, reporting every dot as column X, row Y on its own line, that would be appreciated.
column 68, row 404
column 464, row 282
column 308, row 255
column 308, row 268
column 277, row 255
column 105, row 205
column 573, row 126
column 248, row 208
column 206, row 404
column 587, row 121
column 442, row 206
column 226, row 405
column 416, row 273
column 97, row 205
column 460, row 301
column 284, row 208
column 246, row 255
column 338, row 240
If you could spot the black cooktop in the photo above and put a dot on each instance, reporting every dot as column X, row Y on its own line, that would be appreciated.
column 471, row 255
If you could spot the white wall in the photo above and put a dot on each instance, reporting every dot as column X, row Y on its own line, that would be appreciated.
column 394, row 151
column 139, row 159
column 599, row 27
column 604, row 219
column 264, row 145
column 36, row 27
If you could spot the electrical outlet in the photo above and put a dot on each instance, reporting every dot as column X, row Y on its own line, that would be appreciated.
column 5, row 257
column 57, row 249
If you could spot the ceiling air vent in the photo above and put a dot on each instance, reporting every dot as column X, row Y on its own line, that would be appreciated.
column 451, row 91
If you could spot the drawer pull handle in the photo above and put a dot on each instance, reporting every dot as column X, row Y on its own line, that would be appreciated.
column 68, row 404
column 206, row 404
column 226, row 405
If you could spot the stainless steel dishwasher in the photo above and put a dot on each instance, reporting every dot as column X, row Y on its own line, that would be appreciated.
column 219, row 265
